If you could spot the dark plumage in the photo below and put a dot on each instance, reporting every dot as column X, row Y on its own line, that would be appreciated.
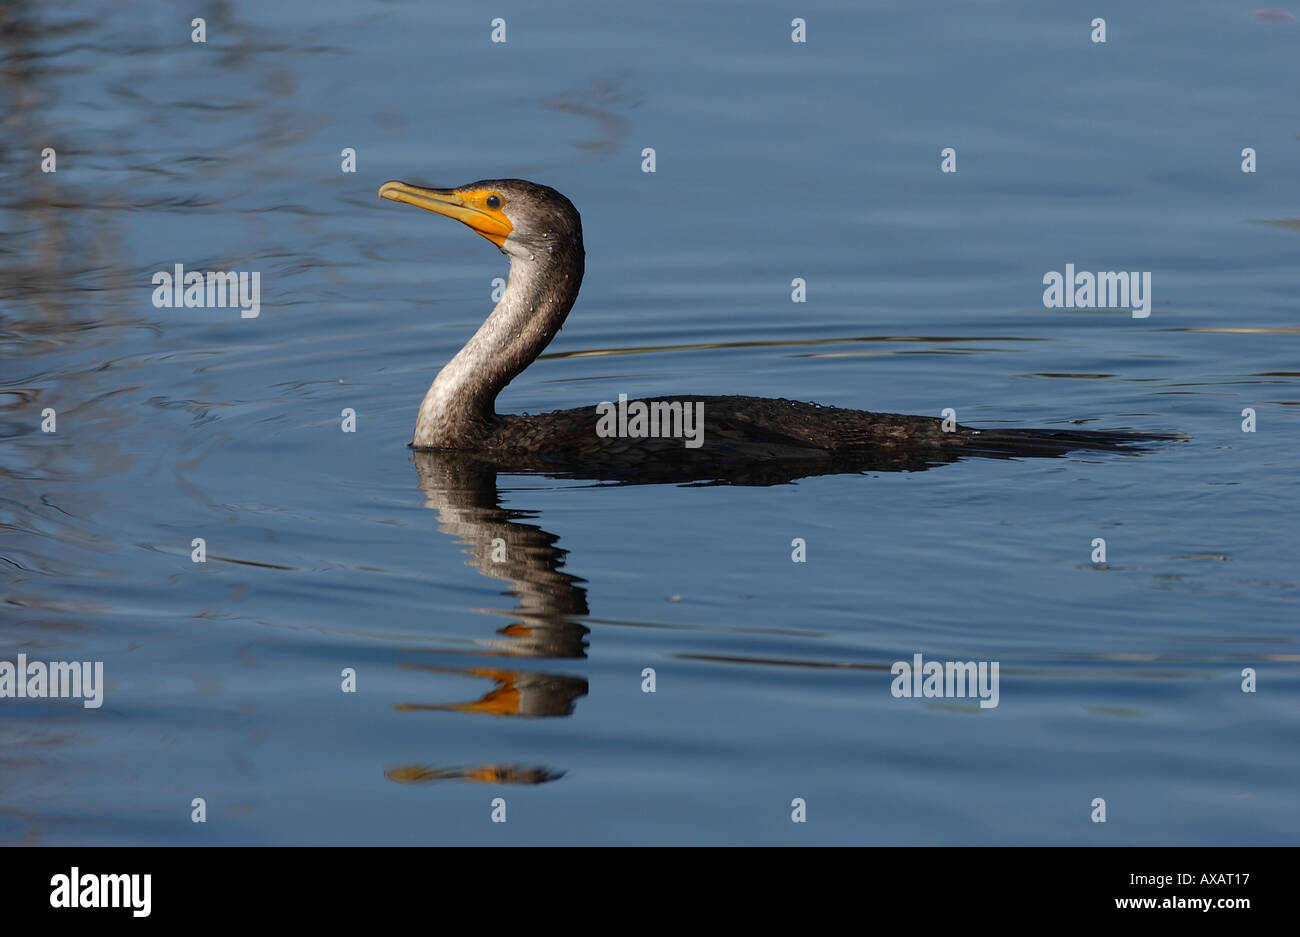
column 760, row 440
column 745, row 439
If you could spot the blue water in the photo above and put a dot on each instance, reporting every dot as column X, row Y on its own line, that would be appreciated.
column 775, row 160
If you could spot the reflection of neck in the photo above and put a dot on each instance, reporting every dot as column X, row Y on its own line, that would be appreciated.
column 463, row 490
column 460, row 403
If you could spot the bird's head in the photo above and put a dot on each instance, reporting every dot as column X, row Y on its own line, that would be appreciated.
column 522, row 218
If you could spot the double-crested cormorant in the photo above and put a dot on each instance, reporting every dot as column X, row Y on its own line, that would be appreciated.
column 541, row 232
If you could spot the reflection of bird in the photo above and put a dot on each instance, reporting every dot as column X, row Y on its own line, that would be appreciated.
column 502, row 545
column 541, row 232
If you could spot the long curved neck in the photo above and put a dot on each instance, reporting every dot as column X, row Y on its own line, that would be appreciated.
column 459, row 407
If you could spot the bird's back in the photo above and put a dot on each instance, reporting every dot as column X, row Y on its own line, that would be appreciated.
column 762, row 441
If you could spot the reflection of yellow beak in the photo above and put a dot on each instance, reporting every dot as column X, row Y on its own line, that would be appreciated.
column 467, row 206
column 502, row 701
column 484, row 774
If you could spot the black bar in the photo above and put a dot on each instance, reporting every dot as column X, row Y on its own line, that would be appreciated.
column 333, row 886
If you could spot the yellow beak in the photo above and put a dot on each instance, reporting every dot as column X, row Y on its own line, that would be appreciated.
column 465, row 205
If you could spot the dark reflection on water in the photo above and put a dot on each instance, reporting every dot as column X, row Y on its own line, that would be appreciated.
column 463, row 490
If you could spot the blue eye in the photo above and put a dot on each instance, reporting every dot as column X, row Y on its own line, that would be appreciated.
column 493, row 201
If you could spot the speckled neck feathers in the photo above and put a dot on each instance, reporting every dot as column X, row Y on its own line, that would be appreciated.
column 546, row 266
